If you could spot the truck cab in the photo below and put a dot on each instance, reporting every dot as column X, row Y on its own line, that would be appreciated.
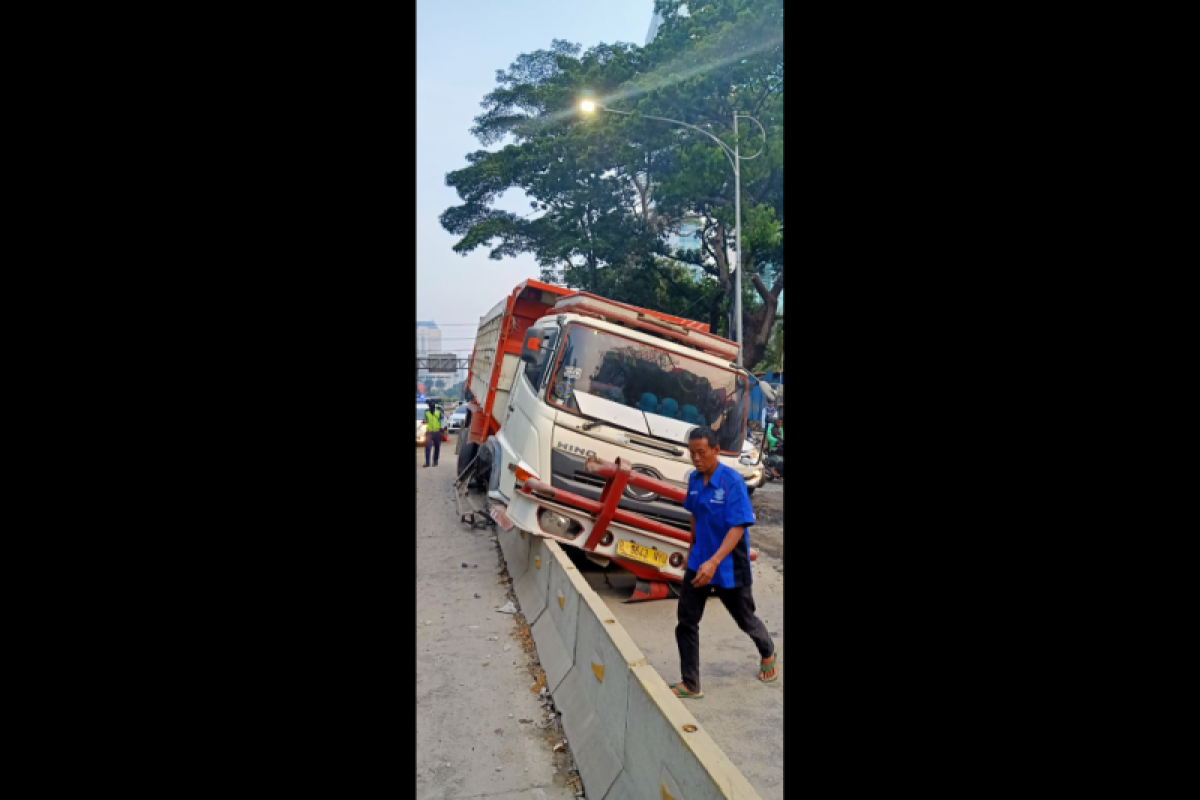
column 600, row 381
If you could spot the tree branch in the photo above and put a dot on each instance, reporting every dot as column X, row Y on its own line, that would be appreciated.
column 642, row 195
column 761, row 287
column 761, row 97
column 766, row 186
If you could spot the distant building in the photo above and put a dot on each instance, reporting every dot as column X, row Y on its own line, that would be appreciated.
column 655, row 20
column 688, row 238
column 429, row 340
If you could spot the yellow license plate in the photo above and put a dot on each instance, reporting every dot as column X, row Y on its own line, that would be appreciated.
column 654, row 558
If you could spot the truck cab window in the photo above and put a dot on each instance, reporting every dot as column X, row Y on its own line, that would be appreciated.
column 535, row 371
column 652, row 380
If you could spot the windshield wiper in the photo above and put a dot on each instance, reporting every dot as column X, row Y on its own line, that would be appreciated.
column 675, row 451
column 587, row 426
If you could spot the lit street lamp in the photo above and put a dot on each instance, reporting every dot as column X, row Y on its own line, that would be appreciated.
column 589, row 106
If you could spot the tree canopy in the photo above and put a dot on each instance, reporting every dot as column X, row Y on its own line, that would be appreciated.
column 610, row 191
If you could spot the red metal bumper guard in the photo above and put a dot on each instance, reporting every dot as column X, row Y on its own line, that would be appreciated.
column 617, row 477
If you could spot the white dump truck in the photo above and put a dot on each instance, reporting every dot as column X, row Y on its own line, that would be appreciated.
column 578, row 412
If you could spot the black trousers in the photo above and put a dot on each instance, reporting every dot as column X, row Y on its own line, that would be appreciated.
column 739, row 602
column 433, row 440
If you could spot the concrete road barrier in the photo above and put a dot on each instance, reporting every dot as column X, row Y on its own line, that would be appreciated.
column 595, row 696
column 531, row 588
column 554, row 632
column 666, row 750
column 630, row 736
column 514, row 545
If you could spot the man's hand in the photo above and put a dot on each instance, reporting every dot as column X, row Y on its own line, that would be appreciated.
column 705, row 574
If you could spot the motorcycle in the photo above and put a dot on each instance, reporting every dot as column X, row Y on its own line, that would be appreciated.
column 774, row 463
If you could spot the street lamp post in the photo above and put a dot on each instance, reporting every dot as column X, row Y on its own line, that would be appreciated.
column 735, row 159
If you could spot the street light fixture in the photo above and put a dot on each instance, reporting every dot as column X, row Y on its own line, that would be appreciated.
column 590, row 106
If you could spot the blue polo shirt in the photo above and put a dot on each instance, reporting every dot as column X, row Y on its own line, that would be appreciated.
column 721, row 505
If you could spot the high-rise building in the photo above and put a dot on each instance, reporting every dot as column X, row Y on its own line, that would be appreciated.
column 655, row 20
column 688, row 238
column 429, row 340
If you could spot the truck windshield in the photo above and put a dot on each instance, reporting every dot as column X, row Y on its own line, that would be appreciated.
column 651, row 380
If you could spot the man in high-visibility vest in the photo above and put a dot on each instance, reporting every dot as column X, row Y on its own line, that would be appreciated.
column 433, row 431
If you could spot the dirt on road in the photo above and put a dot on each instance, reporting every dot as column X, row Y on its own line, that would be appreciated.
column 767, row 534
column 480, row 730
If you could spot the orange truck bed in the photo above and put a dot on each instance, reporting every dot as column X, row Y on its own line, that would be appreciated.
column 500, row 335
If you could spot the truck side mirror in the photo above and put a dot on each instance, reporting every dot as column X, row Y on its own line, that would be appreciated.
column 531, row 348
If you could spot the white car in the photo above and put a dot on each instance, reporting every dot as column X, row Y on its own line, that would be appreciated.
column 421, row 425
column 749, row 457
column 457, row 420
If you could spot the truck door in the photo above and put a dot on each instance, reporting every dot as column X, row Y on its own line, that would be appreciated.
column 530, row 421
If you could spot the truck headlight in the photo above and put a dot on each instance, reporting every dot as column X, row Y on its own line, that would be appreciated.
column 558, row 525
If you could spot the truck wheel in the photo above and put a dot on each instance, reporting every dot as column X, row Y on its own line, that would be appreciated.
column 466, row 453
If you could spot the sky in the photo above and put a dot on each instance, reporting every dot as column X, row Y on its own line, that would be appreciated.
column 460, row 45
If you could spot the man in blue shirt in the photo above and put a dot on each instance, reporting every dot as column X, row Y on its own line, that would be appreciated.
column 768, row 415
column 719, row 561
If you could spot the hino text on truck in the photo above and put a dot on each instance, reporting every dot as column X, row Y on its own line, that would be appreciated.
column 577, row 420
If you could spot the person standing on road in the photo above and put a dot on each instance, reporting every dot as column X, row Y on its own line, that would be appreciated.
column 719, row 561
column 433, row 431
column 768, row 415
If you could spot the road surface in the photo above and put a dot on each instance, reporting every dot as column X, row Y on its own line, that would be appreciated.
column 744, row 717
column 464, row 732
column 471, row 694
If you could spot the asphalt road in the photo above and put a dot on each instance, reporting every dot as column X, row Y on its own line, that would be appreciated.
column 743, row 716
column 471, row 694
column 463, row 730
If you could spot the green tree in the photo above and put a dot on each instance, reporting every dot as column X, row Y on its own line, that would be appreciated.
column 772, row 356
column 608, row 191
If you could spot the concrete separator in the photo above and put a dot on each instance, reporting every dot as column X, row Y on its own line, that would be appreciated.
column 630, row 736
column 669, row 752
column 514, row 545
column 554, row 632
column 595, row 695
column 531, row 588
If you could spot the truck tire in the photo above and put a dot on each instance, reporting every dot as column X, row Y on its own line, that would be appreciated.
column 466, row 453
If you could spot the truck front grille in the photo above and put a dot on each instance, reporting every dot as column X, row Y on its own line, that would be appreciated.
column 568, row 474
